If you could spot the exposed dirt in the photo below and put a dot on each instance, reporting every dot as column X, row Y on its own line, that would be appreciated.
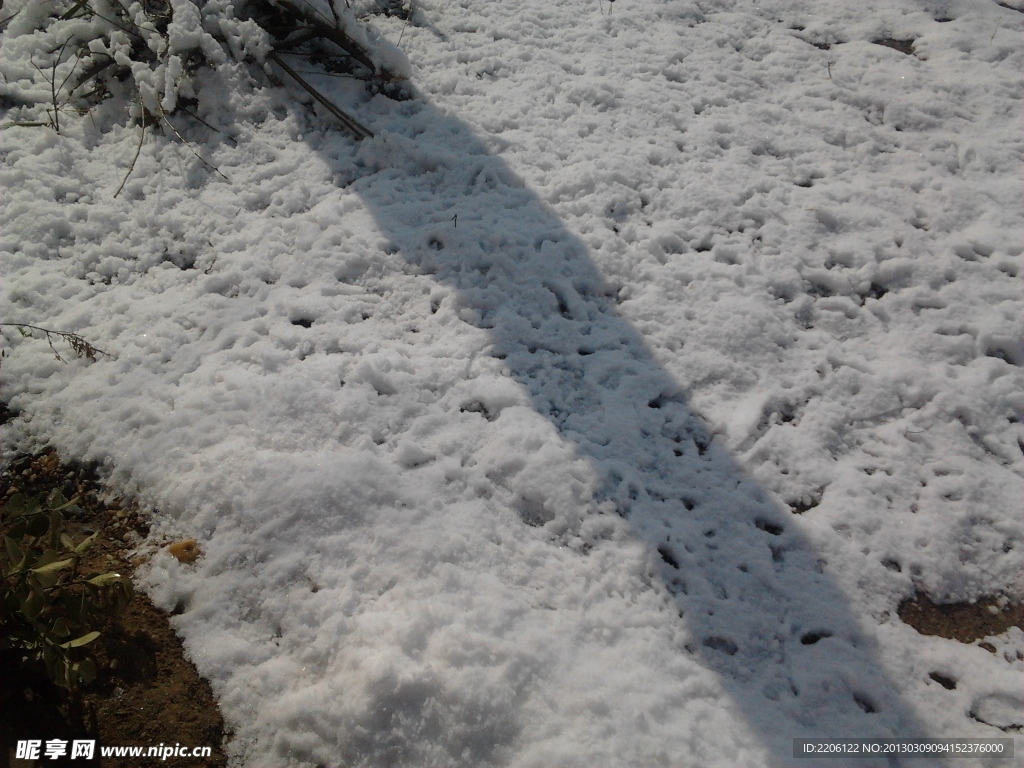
column 147, row 692
column 966, row 622
column 903, row 46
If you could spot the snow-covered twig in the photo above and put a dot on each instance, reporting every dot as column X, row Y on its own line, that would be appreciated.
column 79, row 345
column 131, row 167
column 353, row 126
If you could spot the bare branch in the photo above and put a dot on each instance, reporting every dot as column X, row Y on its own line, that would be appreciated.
column 353, row 126
column 79, row 345
column 5, row 19
column 184, row 141
column 138, row 151
column 74, row 9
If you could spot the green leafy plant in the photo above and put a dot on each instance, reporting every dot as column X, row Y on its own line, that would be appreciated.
column 48, row 608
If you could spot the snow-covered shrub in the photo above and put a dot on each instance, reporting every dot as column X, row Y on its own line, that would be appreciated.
column 72, row 54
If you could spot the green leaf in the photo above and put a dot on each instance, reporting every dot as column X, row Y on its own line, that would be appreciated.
column 86, row 545
column 33, row 605
column 67, row 679
column 58, row 502
column 55, row 566
column 12, row 549
column 61, row 628
column 48, row 556
column 123, row 594
column 67, row 541
column 105, row 579
column 44, row 580
column 18, row 505
column 80, row 609
column 78, row 642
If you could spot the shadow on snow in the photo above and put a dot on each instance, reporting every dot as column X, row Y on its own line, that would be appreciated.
column 756, row 599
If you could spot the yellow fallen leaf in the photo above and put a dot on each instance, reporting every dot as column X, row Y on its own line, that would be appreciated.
column 186, row 550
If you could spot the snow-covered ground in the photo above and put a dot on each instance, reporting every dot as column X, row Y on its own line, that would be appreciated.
column 600, row 411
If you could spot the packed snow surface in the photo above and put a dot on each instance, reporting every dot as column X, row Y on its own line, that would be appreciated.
column 599, row 411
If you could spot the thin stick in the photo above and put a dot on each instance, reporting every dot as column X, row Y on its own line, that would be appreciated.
column 54, row 122
column 138, row 151
column 335, row 75
column 295, row 42
column 335, row 35
column 191, row 148
column 78, row 60
column 74, row 9
column 412, row 9
column 315, row 11
column 194, row 116
column 79, row 345
column 55, row 119
column 111, row 21
column 321, row 73
column 93, row 71
column 353, row 126
column 53, row 83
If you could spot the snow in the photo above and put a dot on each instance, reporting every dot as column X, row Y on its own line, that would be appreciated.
column 598, row 412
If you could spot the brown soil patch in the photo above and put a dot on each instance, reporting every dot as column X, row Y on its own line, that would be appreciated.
column 147, row 692
column 966, row 622
column 903, row 46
